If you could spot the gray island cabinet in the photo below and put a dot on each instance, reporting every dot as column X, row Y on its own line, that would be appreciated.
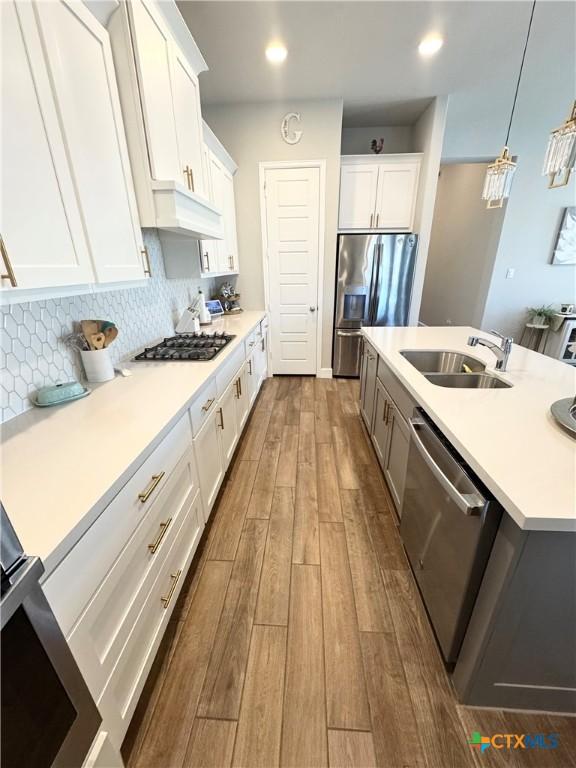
column 520, row 647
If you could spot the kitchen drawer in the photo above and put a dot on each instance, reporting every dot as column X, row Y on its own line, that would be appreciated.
column 101, row 632
column 123, row 689
column 203, row 405
column 71, row 586
column 401, row 397
column 229, row 370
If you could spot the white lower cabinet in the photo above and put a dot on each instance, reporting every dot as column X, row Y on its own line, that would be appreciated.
column 380, row 430
column 103, row 753
column 251, row 378
column 210, row 467
column 368, row 383
column 228, row 423
column 243, row 398
column 119, row 699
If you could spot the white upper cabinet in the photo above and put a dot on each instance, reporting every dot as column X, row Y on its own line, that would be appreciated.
column 358, row 193
column 80, row 63
column 35, row 171
column 152, row 54
column 188, row 124
column 70, row 217
column 161, row 106
column 378, row 194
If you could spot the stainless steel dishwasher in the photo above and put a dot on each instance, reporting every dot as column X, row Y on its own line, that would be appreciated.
column 449, row 521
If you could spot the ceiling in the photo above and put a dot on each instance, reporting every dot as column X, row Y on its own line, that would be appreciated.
column 366, row 54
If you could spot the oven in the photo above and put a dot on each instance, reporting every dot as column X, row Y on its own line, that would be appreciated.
column 48, row 716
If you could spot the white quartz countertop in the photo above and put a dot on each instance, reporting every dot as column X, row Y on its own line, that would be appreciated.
column 507, row 436
column 61, row 466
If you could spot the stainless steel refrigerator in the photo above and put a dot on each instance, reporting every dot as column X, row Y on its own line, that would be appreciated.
column 373, row 287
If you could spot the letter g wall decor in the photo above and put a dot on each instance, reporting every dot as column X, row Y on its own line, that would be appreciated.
column 288, row 133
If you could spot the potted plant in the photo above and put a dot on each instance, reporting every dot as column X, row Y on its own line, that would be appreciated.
column 541, row 315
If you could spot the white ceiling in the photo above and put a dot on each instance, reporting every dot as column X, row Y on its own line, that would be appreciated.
column 366, row 53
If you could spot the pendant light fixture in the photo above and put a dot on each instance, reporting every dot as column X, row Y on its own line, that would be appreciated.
column 560, row 160
column 500, row 173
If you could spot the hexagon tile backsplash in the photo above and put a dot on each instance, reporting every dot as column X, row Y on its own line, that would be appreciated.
column 33, row 353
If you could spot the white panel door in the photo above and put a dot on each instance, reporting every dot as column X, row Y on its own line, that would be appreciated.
column 82, row 71
column 41, row 226
column 397, row 188
column 212, row 251
column 358, row 191
column 229, row 210
column 188, row 122
column 152, row 48
column 228, row 423
column 208, row 460
column 292, row 198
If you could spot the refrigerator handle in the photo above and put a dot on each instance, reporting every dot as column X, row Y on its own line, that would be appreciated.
column 374, row 292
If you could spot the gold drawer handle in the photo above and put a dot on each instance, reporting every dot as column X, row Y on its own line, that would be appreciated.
column 147, row 492
column 208, row 404
column 163, row 528
column 221, row 412
column 250, row 367
column 167, row 598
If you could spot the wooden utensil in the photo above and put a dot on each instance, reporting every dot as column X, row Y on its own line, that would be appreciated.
column 98, row 341
column 90, row 328
column 110, row 333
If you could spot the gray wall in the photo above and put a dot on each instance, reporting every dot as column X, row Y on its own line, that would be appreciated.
column 462, row 249
column 533, row 212
column 397, row 138
column 251, row 134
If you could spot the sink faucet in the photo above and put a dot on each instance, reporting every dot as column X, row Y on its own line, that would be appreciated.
column 502, row 350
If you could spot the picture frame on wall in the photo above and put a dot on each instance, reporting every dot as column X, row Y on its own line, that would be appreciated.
column 565, row 248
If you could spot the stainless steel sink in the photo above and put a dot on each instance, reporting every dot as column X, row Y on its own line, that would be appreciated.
column 467, row 380
column 441, row 361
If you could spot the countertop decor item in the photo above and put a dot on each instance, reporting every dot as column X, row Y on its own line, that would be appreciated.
column 97, row 365
column 560, row 157
column 500, row 173
column 541, row 316
column 56, row 394
column 564, row 411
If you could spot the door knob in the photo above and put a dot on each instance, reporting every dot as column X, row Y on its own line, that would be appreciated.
column 312, row 309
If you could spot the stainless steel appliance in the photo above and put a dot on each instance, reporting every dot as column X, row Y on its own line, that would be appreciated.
column 448, row 524
column 48, row 716
column 373, row 287
column 187, row 346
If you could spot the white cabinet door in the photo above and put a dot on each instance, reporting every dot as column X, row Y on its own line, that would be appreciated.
column 209, row 461
column 229, row 213
column 228, row 423
column 396, row 459
column 80, row 63
column 251, row 378
column 397, row 188
column 41, row 225
column 152, row 47
column 243, row 398
column 188, row 119
column 358, row 192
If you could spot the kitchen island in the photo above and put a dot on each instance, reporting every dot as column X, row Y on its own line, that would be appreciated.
column 509, row 440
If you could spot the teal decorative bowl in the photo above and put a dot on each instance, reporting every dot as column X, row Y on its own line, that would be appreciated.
column 60, row 393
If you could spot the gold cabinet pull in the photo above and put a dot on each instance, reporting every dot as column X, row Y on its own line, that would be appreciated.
column 250, row 367
column 237, row 385
column 221, row 412
column 189, row 173
column 9, row 274
column 262, row 344
column 377, row 219
column 240, row 385
column 163, row 528
column 231, row 261
column 147, row 270
column 167, row 598
column 206, row 258
column 388, row 409
column 385, row 412
column 371, row 219
column 207, row 405
column 147, row 492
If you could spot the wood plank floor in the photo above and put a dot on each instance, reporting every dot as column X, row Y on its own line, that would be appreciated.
column 299, row 638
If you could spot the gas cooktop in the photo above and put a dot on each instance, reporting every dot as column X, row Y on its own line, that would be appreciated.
column 187, row 346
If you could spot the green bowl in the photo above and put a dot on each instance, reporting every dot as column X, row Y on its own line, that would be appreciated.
column 60, row 393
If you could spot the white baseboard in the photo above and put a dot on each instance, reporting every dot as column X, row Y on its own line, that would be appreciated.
column 324, row 373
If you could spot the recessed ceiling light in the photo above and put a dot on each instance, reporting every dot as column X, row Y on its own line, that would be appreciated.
column 276, row 53
column 430, row 45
